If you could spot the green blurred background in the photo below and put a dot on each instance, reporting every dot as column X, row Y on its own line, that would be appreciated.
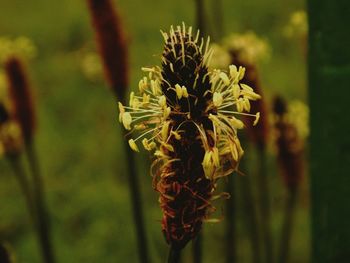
column 78, row 135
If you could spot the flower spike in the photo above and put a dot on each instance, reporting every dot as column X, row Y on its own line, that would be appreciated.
column 190, row 120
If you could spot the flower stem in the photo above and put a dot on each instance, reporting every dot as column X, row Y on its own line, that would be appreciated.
column 218, row 12
column 23, row 183
column 200, row 17
column 251, row 221
column 197, row 248
column 135, row 197
column 264, row 197
column 43, row 225
column 287, row 226
column 5, row 256
column 174, row 255
column 231, row 248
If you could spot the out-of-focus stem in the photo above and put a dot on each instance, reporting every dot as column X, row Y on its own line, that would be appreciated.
column 23, row 184
column 200, row 21
column 218, row 13
column 5, row 256
column 264, row 197
column 231, row 246
column 174, row 255
column 197, row 248
column 251, row 221
column 136, row 201
column 43, row 224
column 287, row 226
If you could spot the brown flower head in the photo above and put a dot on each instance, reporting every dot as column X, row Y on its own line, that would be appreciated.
column 186, row 113
column 111, row 43
column 10, row 133
column 289, row 146
column 21, row 97
column 4, row 116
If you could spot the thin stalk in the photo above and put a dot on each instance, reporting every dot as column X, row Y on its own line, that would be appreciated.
column 231, row 241
column 264, row 197
column 200, row 20
column 43, row 225
column 197, row 248
column 251, row 221
column 287, row 226
column 136, row 201
column 218, row 13
column 23, row 184
column 174, row 255
column 5, row 256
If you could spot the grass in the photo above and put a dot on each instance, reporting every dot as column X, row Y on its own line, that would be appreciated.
column 78, row 135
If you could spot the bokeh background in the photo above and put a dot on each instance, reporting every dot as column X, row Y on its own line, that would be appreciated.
column 79, row 139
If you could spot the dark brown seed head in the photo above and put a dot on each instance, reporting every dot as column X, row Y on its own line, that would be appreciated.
column 289, row 146
column 279, row 106
column 21, row 97
column 185, row 112
column 4, row 116
column 111, row 43
column 184, row 180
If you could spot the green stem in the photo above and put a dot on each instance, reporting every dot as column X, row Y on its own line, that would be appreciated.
column 43, row 225
column 136, row 201
column 231, row 246
column 200, row 20
column 23, row 184
column 174, row 255
column 218, row 13
column 251, row 221
column 5, row 256
column 197, row 248
column 287, row 226
column 264, row 197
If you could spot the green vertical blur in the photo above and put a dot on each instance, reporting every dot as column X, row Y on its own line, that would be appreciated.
column 329, row 86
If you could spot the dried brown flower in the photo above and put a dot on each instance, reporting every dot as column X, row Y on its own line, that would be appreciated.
column 111, row 43
column 21, row 97
column 289, row 146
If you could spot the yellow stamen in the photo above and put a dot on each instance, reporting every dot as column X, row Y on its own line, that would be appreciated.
column 133, row 145
column 126, row 118
column 178, row 90
column 217, row 99
column 257, row 117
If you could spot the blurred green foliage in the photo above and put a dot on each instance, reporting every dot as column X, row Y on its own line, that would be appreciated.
column 78, row 135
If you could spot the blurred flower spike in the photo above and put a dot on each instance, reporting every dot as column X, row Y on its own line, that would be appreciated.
column 10, row 132
column 21, row 97
column 290, row 145
column 21, row 46
column 112, row 45
column 187, row 115
column 249, row 47
column 297, row 25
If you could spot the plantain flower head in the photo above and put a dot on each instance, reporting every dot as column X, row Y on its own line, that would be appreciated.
column 186, row 115
column 248, row 47
column 289, row 144
column 297, row 25
column 10, row 133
